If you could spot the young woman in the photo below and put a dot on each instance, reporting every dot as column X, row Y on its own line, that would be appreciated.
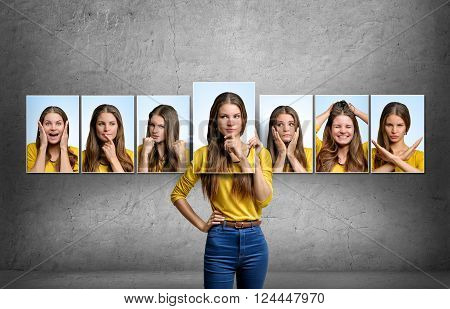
column 161, row 150
column 285, row 142
column 391, row 153
column 105, row 147
column 341, row 150
column 235, row 244
column 51, row 152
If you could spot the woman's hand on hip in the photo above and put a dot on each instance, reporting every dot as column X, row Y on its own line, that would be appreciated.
column 215, row 219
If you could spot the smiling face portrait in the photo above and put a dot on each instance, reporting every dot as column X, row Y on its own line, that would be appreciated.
column 342, row 130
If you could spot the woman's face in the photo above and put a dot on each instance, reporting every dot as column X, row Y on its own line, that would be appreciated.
column 106, row 125
column 342, row 130
column 157, row 128
column 229, row 120
column 285, row 126
column 54, row 127
column 395, row 128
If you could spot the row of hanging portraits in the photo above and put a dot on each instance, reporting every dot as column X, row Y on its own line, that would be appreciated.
column 154, row 134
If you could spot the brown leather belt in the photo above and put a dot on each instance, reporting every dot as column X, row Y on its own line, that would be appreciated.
column 242, row 224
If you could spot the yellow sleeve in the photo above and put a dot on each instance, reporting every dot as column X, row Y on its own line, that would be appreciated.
column 309, row 159
column 365, row 147
column 31, row 156
column 189, row 178
column 74, row 150
column 318, row 144
column 266, row 167
column 420, row 160
column 131, row 155
column 184, row 184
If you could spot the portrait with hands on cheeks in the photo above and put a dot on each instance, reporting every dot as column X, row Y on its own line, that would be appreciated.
column 286, row 124
column 50, row 147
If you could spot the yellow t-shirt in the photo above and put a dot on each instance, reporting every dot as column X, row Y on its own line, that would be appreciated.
column 337, row 168
column 104, row 168
column 234, row 209
column 309, row 162
column 417, row 160
column 187, row 154
column 50, row 167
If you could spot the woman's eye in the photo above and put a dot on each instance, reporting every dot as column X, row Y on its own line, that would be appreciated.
column 162, row 127
column 291, row 124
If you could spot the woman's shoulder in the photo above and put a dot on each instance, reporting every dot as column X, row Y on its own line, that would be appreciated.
column 419, row 154
column 31, row 146
column 74, row 150
column 130, row 153
column 308, row 151
column 201, row 152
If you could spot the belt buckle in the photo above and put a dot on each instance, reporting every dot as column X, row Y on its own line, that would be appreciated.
column 239, row 225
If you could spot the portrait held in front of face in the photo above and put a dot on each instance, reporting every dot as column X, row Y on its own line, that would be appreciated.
column 163, row 133
column 397, row 137
column 106, row 128
column 50, row 148
column 342, row 144
column 225, row 139
column 286, row 121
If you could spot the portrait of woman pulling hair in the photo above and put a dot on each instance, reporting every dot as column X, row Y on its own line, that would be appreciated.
column 105, row 147
column 236, row 199
column 51, row 152
column 341, row 150
column 162, row 150
column 285, row 142
column 391, row 153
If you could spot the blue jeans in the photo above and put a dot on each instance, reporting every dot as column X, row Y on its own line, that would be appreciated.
column 231, row 251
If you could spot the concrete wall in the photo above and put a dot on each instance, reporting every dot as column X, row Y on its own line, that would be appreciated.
column 161, row 47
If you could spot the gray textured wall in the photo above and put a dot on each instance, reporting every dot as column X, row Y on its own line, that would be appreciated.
column 161, row 47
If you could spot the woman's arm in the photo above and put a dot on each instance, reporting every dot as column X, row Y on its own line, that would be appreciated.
column 385, row 168
column 363, row 116
column 399, row 160
column 262, row 189
column 295, row 163
column 65, row 166
column 281, row 149
column 110, row 152
column 186, row 210
column 147, row 146
column 323, row 117
column 39, row 165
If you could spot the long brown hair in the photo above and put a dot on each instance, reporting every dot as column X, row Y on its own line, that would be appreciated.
column 328, row 155
column 393, row 108
column 93, row 151
column 299, row 150
column 218, row 160
column 171, row 161
column 73, row 158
